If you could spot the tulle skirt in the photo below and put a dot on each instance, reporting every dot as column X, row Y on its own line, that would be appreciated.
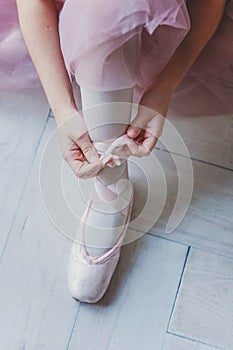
column 110, row 45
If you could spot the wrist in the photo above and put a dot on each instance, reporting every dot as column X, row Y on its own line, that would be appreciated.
column 64, row 113
column 157, row 99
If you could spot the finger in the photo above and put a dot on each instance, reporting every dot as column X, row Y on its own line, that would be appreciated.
column 155, row 126
column 126, row 152
column 140, row 137
column 133, row 131
column 136, row 126
column 76, row 154
column 75, row 159
column 133, row 147
column 88, row 148
column 144, row 149
column 74, row 164
column 140, row 151
column 89, row 170
column 149, row 143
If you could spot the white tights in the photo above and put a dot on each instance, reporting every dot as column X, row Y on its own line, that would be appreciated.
column 107, row 120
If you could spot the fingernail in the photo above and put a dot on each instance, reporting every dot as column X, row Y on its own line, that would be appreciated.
column 131, row 132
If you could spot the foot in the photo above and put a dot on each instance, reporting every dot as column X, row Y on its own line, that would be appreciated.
column 102, row 230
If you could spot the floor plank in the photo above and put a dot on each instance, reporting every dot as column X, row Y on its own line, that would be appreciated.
column 208, row 138
column 206, row 347
column 37, row 311
column 22, row 119
column 135, row 311
column 172, row 342
column 209, row 221
column 204, row 308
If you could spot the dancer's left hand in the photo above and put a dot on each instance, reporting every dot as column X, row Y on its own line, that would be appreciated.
column 145, row 130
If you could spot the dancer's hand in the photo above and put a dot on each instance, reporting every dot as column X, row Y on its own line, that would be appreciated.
column 77, row 148
column 147, row 126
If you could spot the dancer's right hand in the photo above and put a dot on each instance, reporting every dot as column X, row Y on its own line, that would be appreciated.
column 77, row 148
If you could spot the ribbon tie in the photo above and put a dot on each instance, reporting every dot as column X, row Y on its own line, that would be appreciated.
column 112, row 151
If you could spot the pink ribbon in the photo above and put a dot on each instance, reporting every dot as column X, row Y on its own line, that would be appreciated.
column 112, row 151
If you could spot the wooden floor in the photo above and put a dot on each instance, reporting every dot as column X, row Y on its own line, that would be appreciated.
column 170, row 291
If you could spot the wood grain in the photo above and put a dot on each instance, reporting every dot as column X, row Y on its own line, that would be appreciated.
column 22, row 120
column 37, row 311
column 204, row 308
column 208, row 138
column 209, row 221
column 135, row 311
column 172, row 342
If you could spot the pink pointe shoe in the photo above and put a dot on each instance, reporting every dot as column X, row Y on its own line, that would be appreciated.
column 89, row 276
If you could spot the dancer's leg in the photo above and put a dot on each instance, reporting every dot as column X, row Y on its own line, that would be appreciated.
column 112, row 119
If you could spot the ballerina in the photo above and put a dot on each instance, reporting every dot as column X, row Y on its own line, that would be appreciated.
column 138, row 51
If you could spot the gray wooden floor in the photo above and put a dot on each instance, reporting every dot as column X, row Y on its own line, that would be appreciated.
column 170, row 291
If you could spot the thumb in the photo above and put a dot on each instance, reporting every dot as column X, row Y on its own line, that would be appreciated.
column 136, row 125
column 88, row 148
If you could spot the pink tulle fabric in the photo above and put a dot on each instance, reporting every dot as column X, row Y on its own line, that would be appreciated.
column 92, row 31
column 107, row 26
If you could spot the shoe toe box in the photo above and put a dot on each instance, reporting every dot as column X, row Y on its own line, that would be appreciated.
column 89, row 282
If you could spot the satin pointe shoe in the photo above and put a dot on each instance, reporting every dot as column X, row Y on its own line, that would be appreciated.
column 90, row 276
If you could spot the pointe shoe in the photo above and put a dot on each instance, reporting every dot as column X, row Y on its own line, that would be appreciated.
column 89, row 276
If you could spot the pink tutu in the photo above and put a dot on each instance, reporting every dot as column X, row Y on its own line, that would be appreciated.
column 94, row 40
column 157, row 27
